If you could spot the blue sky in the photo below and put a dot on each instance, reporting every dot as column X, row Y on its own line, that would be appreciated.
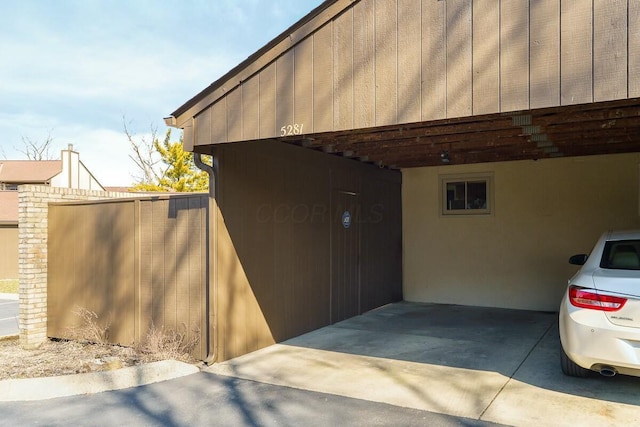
column 74, row 69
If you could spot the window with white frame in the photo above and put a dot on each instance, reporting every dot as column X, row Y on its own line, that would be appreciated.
column 466, row 194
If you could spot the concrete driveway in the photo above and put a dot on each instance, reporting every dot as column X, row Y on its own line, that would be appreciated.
column 485, row 364
column 8, row 315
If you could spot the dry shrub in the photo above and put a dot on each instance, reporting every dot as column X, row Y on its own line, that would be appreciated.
column 89, row 330
column 170, row 344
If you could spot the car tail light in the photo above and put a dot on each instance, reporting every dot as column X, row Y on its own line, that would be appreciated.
column 589, row 298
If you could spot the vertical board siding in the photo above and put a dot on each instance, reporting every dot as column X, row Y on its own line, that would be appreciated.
column 219, row 121
column 202, row 128
column 459, row 67
column 267, row 100
column 363, row 66
column 633, row 49
column 323, row 79
column 610, row 49
column 234, row 115
column 386, row 69
column 137, row 264
column 385, row 62
column 275, row 266
column 145, row 268
column 434, row 60
column 576, row 52
column 284, row 91
column 544, row 53
column 486, row 64
column 303, row 85
column 409, row 64
column 343, row 71
column 158, row 228
column 514, row 55
column 251, row 109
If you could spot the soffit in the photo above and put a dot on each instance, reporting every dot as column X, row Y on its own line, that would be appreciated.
column 579, row 130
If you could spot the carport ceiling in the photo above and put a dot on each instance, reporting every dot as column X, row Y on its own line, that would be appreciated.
column 579, row 130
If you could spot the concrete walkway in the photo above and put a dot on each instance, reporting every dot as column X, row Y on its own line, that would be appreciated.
column 485, row 364
column 8, row 315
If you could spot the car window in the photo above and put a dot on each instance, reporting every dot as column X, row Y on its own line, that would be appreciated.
column 621, row 255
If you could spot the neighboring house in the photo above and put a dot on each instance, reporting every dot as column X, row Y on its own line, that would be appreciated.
column 68, row 172
column 438, row 151
column 8, row 235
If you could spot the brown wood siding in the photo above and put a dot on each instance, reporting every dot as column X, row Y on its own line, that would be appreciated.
column 610, row 50
column 284, row 91
column 343, row 101
column 381, row 230
column 303, row 84
column 9, row 252
column 514, row 55
column 486, row 64
column 383, row 62
column 459, row 54
column 266, row 97
column 409, row 64
column 275, row 266
column 363, row 66
column 576, row 52
column 544, row 53
column 235, row 115
column 322, row 80
column 385, row 57
column 434, row 60
column 634, row 52
column 136, row 264
column 251, row 109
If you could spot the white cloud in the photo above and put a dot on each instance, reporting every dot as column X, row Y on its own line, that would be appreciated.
column 73, row 69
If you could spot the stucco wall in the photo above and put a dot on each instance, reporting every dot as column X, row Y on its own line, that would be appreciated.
column 544, row 211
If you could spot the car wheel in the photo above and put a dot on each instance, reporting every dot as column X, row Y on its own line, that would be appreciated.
column 570, row 368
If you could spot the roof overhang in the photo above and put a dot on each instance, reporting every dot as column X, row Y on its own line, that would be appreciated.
column 590, row 128
column 579, row 130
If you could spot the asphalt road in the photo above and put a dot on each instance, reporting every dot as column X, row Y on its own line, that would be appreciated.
column 206, row 399
column 8, row 317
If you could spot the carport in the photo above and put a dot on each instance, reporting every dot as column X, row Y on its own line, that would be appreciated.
column 478, row 363
column 451, row 152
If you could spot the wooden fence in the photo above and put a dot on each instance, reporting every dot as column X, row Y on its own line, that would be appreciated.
column 135, row 263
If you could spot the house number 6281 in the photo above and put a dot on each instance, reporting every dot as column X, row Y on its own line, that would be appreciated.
column 288, row 130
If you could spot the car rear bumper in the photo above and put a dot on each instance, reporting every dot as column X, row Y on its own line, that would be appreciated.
column 592, row 342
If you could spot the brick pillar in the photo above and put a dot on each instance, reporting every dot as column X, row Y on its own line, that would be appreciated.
column 32, row 266
column 33, row 212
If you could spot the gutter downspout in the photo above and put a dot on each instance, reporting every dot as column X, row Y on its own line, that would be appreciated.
column 212, row 288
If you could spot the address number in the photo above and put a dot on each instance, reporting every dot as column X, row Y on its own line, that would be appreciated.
column 288, row 130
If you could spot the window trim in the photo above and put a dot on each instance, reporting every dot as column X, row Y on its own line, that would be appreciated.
column 443, row 180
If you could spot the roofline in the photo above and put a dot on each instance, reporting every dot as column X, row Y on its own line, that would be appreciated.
column 279, row 45
column 48, row 179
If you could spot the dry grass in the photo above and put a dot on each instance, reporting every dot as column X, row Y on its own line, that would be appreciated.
column 90, row 330
column 9, row 286
column 89, row 351
column 60, row 357
column 170, row 344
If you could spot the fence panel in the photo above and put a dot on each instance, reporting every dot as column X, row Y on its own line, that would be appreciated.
column 135, row 263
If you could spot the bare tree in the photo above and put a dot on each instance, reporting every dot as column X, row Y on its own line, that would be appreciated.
column 144, row 154
column 164, row 165
column 37, row 150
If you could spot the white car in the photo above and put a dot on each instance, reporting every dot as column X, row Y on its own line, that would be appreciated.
column 600, row 312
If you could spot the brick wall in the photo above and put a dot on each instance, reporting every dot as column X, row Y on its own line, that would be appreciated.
column 33, row 201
